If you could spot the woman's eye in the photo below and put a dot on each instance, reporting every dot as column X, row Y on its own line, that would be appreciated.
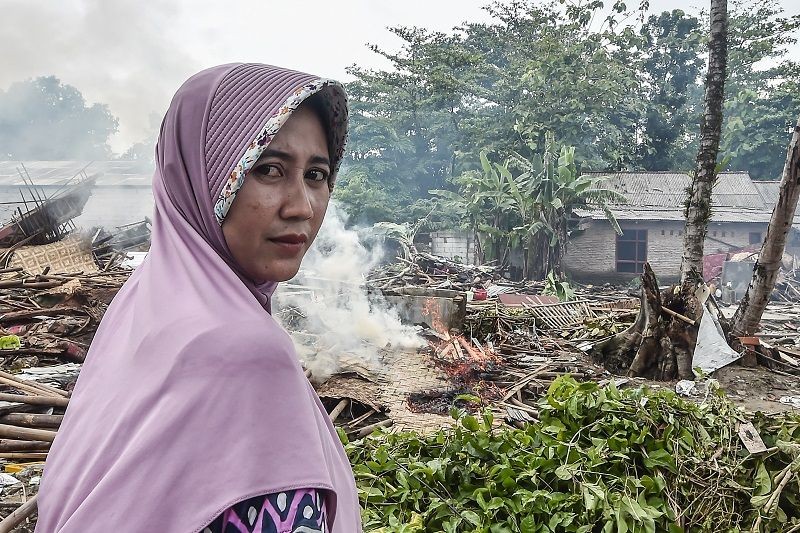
column 317, row 175
column 268, row 170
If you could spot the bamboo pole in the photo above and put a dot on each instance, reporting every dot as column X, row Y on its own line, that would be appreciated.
column 14, row 432
column 43, row 387
column 50, row 401
column 32, row 386
column 24, row 455
column 10, row 445
column 34, row 420
column 366, row 430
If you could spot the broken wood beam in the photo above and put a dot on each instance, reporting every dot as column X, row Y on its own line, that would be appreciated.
column 679, row 316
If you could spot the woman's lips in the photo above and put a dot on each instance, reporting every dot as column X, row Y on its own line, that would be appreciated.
column 290, row 244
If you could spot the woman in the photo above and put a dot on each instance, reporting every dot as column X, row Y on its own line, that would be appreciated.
column 192, row 412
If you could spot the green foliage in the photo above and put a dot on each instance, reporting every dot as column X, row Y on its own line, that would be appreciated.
column 559, row 288
column 600, row 459
column 670, row 51
column 527, row 203
column 754, row 136
column 44, row 119
column 363, row 199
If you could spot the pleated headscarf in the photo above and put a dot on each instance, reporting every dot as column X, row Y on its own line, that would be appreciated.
column 191, row 398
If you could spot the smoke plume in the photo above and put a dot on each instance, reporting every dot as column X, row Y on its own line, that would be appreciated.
column 337, row 325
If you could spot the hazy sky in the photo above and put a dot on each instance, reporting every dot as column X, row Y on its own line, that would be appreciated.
column 132, row 55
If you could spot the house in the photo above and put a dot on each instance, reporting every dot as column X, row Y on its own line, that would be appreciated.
column 653, row 221
column 121, row 195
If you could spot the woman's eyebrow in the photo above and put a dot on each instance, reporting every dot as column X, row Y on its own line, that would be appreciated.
column 280, row 154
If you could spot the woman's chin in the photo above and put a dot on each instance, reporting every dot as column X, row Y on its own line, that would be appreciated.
column 280, row 271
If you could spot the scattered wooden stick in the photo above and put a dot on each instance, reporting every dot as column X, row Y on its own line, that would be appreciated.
column 524, row 381
column 19, row 515
column 341, row 406
column 53, row 311
column 44, row 388
column 23, row 455
column 24, row 387
column 366, row 430
column 24, row 445
column 355, row 422
column 679, row 316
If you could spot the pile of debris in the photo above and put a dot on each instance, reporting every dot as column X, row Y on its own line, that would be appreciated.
column 429, row 271
column 47, row 322
column 500, row 353
column 56, row 285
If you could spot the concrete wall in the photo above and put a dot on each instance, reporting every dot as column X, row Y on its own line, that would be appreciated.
column 591, row 255
column 452, row 244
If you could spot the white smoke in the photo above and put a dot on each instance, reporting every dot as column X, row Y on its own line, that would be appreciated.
column 344, row 327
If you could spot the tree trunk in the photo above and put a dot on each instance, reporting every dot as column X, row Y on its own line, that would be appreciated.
column 752, row 306
column 698, row 207
column 658, row 345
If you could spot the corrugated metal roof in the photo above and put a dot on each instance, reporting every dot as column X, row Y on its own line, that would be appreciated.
column 718, row 215
column 48, row 173
column 668, row 189
column 768, row 190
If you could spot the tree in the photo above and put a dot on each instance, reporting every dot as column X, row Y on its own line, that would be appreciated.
column 483, row 88
column 670, row 68
column 43, row 118
column 765, row 271
column 545, row 197
column 485, row 204
column 755, row 129
column 698, row 208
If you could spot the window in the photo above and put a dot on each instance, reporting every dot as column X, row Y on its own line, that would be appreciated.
column 755, row 237
column 632, row 251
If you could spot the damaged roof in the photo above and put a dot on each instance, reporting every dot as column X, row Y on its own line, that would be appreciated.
column 54, row 173
column 659, row 196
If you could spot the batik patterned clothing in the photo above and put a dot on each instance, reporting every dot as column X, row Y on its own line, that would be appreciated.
column 293, row 511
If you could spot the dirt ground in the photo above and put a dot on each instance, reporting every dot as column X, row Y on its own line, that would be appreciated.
column 758, row 389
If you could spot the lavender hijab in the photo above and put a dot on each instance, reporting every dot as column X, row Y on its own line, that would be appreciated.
column 191, row 398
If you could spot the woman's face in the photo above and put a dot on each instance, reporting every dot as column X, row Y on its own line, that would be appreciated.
column 278, row 210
